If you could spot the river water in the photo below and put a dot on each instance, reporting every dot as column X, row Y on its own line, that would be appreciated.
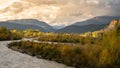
column 13, row 59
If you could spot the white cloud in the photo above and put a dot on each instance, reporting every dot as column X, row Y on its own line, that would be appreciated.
column 92, row 1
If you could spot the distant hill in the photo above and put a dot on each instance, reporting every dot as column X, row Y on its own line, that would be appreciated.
column 33, row 22
column 93, row 24
column 21, row 26
column 98, row 20
column 81, row 29
column 59, row 27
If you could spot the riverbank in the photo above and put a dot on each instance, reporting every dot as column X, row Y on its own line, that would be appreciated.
column 14, row 59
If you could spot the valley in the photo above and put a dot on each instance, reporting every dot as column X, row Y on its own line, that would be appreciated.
column 59, row 33
column 56, row 49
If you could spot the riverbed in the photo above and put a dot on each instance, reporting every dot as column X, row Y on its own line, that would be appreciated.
column 14, row 59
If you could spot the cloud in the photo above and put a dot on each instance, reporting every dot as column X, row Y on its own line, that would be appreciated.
column 60, row 12
column 5, row 3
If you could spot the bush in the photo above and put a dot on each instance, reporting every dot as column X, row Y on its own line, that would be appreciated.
column 6, row 34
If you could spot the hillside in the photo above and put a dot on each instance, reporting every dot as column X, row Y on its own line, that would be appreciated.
column 112, row 25
column 20, row 26
column 33, row 22
column 98, row 20
column 81, row 29
column 93, row 24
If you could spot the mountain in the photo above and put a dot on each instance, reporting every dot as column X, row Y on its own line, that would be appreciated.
column 98, row 20
column 33, row 22
column 59, row 27
column 81, row 29
column 112, row 25
column 93, row 24
column 20, row 26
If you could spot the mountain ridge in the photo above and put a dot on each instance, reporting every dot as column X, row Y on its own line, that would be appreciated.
column 20, row 26
column 81, row 29
column 94, row 24
column 34, row 22
column 98, row 20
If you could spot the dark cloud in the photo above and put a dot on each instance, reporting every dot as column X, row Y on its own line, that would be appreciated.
column 115, row 7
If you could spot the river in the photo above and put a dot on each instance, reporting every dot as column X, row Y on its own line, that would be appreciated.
column 13, row 59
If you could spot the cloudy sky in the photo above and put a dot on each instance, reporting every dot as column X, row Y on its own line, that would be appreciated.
column 58, row 12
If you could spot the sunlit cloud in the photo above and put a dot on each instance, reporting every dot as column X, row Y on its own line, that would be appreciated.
column 5, row 3
column 58, row 12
